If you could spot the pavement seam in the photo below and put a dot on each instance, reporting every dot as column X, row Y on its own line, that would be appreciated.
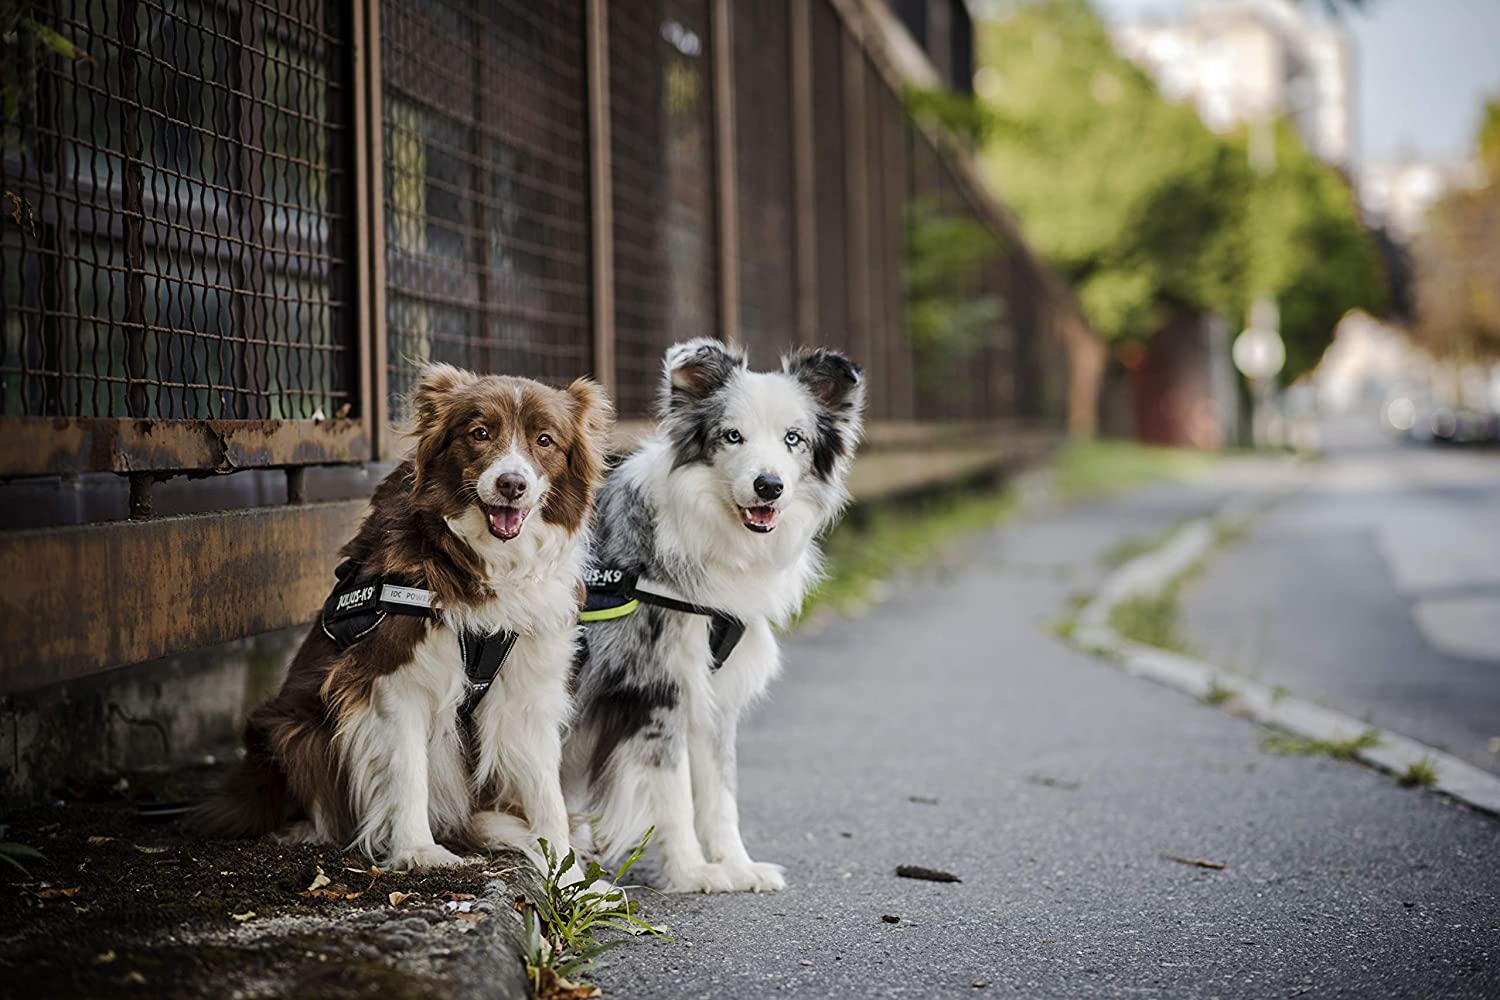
column 1191, row 542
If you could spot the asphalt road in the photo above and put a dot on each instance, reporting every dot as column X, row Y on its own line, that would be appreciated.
column 950, row 729
column 1374, row 589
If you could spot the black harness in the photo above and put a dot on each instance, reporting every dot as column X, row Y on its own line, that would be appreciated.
column 359, row 604
column 616, row 593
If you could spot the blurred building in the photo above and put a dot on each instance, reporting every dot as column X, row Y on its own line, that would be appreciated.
column 1398, row 194
column 1245, row 61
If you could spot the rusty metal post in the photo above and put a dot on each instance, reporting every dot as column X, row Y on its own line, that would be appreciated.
column 728, row 202
column 601, row 194
column 805, row 214
column 372, row 298
column 857, row 188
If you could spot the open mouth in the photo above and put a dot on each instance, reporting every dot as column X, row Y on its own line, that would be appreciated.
column 761, row 518
column 505, row 522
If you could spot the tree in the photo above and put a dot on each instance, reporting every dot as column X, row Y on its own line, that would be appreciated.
column 1149, row 214
column 1458, row 261
column 1133, row 200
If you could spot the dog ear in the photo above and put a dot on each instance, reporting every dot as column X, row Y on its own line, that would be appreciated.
column 430, row 401
column 833, row 379
column 593, row 416
column 697, row 369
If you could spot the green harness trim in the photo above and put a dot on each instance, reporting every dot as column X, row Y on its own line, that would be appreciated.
column 605, row 614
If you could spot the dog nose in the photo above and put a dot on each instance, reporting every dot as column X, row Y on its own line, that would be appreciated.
column 511, row 485
column 768, row 487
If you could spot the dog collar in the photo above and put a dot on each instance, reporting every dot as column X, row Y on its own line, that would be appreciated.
column 358, row 604
column 615, row 593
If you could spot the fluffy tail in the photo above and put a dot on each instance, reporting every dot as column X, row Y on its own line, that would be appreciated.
column 252, row 801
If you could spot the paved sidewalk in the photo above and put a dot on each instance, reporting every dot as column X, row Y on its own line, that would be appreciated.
column 1374, row 590
column 1058, row 784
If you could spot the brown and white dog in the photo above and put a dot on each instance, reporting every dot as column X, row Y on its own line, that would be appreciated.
column 364, row 745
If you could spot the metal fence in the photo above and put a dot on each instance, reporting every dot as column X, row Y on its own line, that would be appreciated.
column 234, row 229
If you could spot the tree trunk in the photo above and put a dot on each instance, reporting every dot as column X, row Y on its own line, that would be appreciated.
column 1087, row 356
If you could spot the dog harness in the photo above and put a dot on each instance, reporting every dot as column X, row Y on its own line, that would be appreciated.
column 615, row 593
column 359, row 604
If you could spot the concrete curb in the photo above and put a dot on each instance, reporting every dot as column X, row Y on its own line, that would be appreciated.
column 1149, row 573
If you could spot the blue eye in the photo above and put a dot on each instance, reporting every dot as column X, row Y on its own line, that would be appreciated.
column 733, row 436
column 793, row 439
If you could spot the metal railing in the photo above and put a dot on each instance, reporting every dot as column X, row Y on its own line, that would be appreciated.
column 234, row 230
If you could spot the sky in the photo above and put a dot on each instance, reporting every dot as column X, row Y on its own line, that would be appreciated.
column 1424, row 68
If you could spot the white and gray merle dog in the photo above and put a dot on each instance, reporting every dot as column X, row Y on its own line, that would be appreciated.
column 721, row 509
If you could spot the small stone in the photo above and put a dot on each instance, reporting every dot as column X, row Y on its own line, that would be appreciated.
column 805, row 962
column 891, row 918
column 980, row 984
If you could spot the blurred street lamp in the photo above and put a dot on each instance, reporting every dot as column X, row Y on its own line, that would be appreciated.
column 1259, row 354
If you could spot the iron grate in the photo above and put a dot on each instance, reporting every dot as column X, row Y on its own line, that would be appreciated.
column 175, row 243
column 486, row 188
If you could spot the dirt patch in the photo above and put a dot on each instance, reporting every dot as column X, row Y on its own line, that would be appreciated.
column 123, row 906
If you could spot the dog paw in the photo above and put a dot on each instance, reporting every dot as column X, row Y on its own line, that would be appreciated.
column 701, row 878
column 422, row 856
column 756, row 876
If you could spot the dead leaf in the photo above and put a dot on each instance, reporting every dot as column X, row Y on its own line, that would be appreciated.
column 459, row 896
column 104, row 957
column 397, row 898
column 55, row 893
column 337, row 892
column 135, row 977
column 96, row 841
column 242, row 917
column 319, row 881
column 149, row 850
column 469, row 918
column 1196, row 862
column 551, row 986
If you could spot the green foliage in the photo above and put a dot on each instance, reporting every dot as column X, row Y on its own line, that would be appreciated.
column 561, row 941
column 1458, row 261
column 1349, row 749
column 1305, row 247
column 1152, row 619
column 1146, row 211
column 1096, row 468
column 1218, row 694
column 864, row 550
column 1419, row 773
column 949, row 315
column 13, row 853
column 23, row 43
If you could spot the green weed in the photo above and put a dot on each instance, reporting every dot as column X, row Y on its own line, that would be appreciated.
column 864, row 550
column 561, row 942
column 1093, row 468
column 1419, row 773
column 12, row 853
column 1285, row 743
column 1218, row 694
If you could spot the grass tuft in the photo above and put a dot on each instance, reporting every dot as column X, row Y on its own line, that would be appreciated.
column 1093, row 468
column 1154, row 619
column 1419, row 773
column 1285, row 743
column 876, row 542
column 12, row 853
column 1218, row 694
column 561, row 943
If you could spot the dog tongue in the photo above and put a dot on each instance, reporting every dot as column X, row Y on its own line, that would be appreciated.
column 761, row 515
column 506, row 520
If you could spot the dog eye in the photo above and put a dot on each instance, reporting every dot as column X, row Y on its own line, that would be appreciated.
column 480, row 434
column 793, row 439
column 544, row 440
column 733, row 436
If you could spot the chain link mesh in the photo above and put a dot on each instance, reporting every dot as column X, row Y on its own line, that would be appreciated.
column 178, row 211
